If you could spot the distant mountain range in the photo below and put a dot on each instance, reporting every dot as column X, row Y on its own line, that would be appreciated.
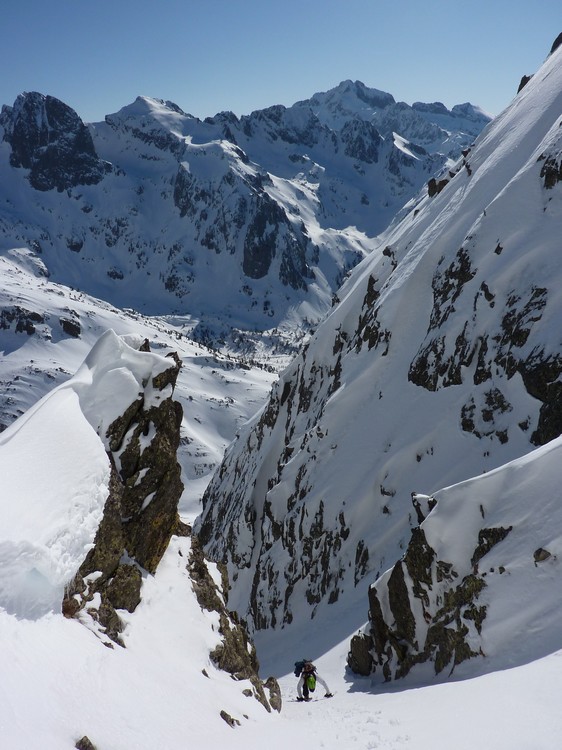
column 238, row 225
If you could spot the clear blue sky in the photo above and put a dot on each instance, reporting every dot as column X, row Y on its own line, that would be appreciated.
column 241, row 55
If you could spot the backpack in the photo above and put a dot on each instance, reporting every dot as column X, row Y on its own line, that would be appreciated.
column 299, row 666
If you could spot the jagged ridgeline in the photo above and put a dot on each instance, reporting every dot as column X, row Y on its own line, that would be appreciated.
column 126, row 393
column 441, row 362
column 154, row 208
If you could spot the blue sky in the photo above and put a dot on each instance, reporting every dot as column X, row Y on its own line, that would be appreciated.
column 242, row 55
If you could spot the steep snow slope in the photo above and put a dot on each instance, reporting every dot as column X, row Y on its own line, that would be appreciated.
column 46, row 331
column 441, row 362
column 480, row 578
column 64, row 683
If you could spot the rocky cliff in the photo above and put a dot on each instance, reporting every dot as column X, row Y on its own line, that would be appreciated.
column 49, row 139
column 140, row 514
column 441, row 362
column 473, row 590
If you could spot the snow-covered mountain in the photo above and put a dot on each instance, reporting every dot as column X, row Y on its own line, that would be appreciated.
column 89, row 514
column 439, row 369
column 163, row 688
column 211, row 231
column 239, row 225
column 442, row 362
column 431, row 126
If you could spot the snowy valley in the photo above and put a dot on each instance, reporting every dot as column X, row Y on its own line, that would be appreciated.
column 371, row 469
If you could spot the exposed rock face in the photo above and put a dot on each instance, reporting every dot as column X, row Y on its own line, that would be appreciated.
column 275, row 700
column 140, row 513
column 424, row 610
column 362, row 141
column 441, row 361
column 523, row 82
column 269, row 232
column 48, row 138
column 556, row 43
column 236, row 654
column 22, row 320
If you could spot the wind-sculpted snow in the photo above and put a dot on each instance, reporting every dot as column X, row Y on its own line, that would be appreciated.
column 47, row 330
column 477, row 579
column 49, row 512
column 441, row 362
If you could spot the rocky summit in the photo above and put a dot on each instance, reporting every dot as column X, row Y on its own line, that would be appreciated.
column 141, row 510
column 49, row 139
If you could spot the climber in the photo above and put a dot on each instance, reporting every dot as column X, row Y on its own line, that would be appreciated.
column 308, row 677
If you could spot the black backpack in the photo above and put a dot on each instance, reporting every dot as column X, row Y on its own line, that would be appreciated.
column 299, row 666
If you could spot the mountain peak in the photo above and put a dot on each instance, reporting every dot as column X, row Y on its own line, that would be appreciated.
column 49, row 139
column 145, row 108
column 349, row 99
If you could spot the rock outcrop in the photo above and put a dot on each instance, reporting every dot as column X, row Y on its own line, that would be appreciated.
column 424, row 610
column 236, row 654
column 50, row 140
column 141, row 511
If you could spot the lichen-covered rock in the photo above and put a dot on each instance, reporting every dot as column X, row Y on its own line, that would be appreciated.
column 275, row 700
column 230, row 720
column 123, row 591
column 359, row 658
column 236, row 654
column 541, row 554
column 141, row 510
column 424, row 610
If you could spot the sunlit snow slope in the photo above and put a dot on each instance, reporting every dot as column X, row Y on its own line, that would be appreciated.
column 441, row 362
